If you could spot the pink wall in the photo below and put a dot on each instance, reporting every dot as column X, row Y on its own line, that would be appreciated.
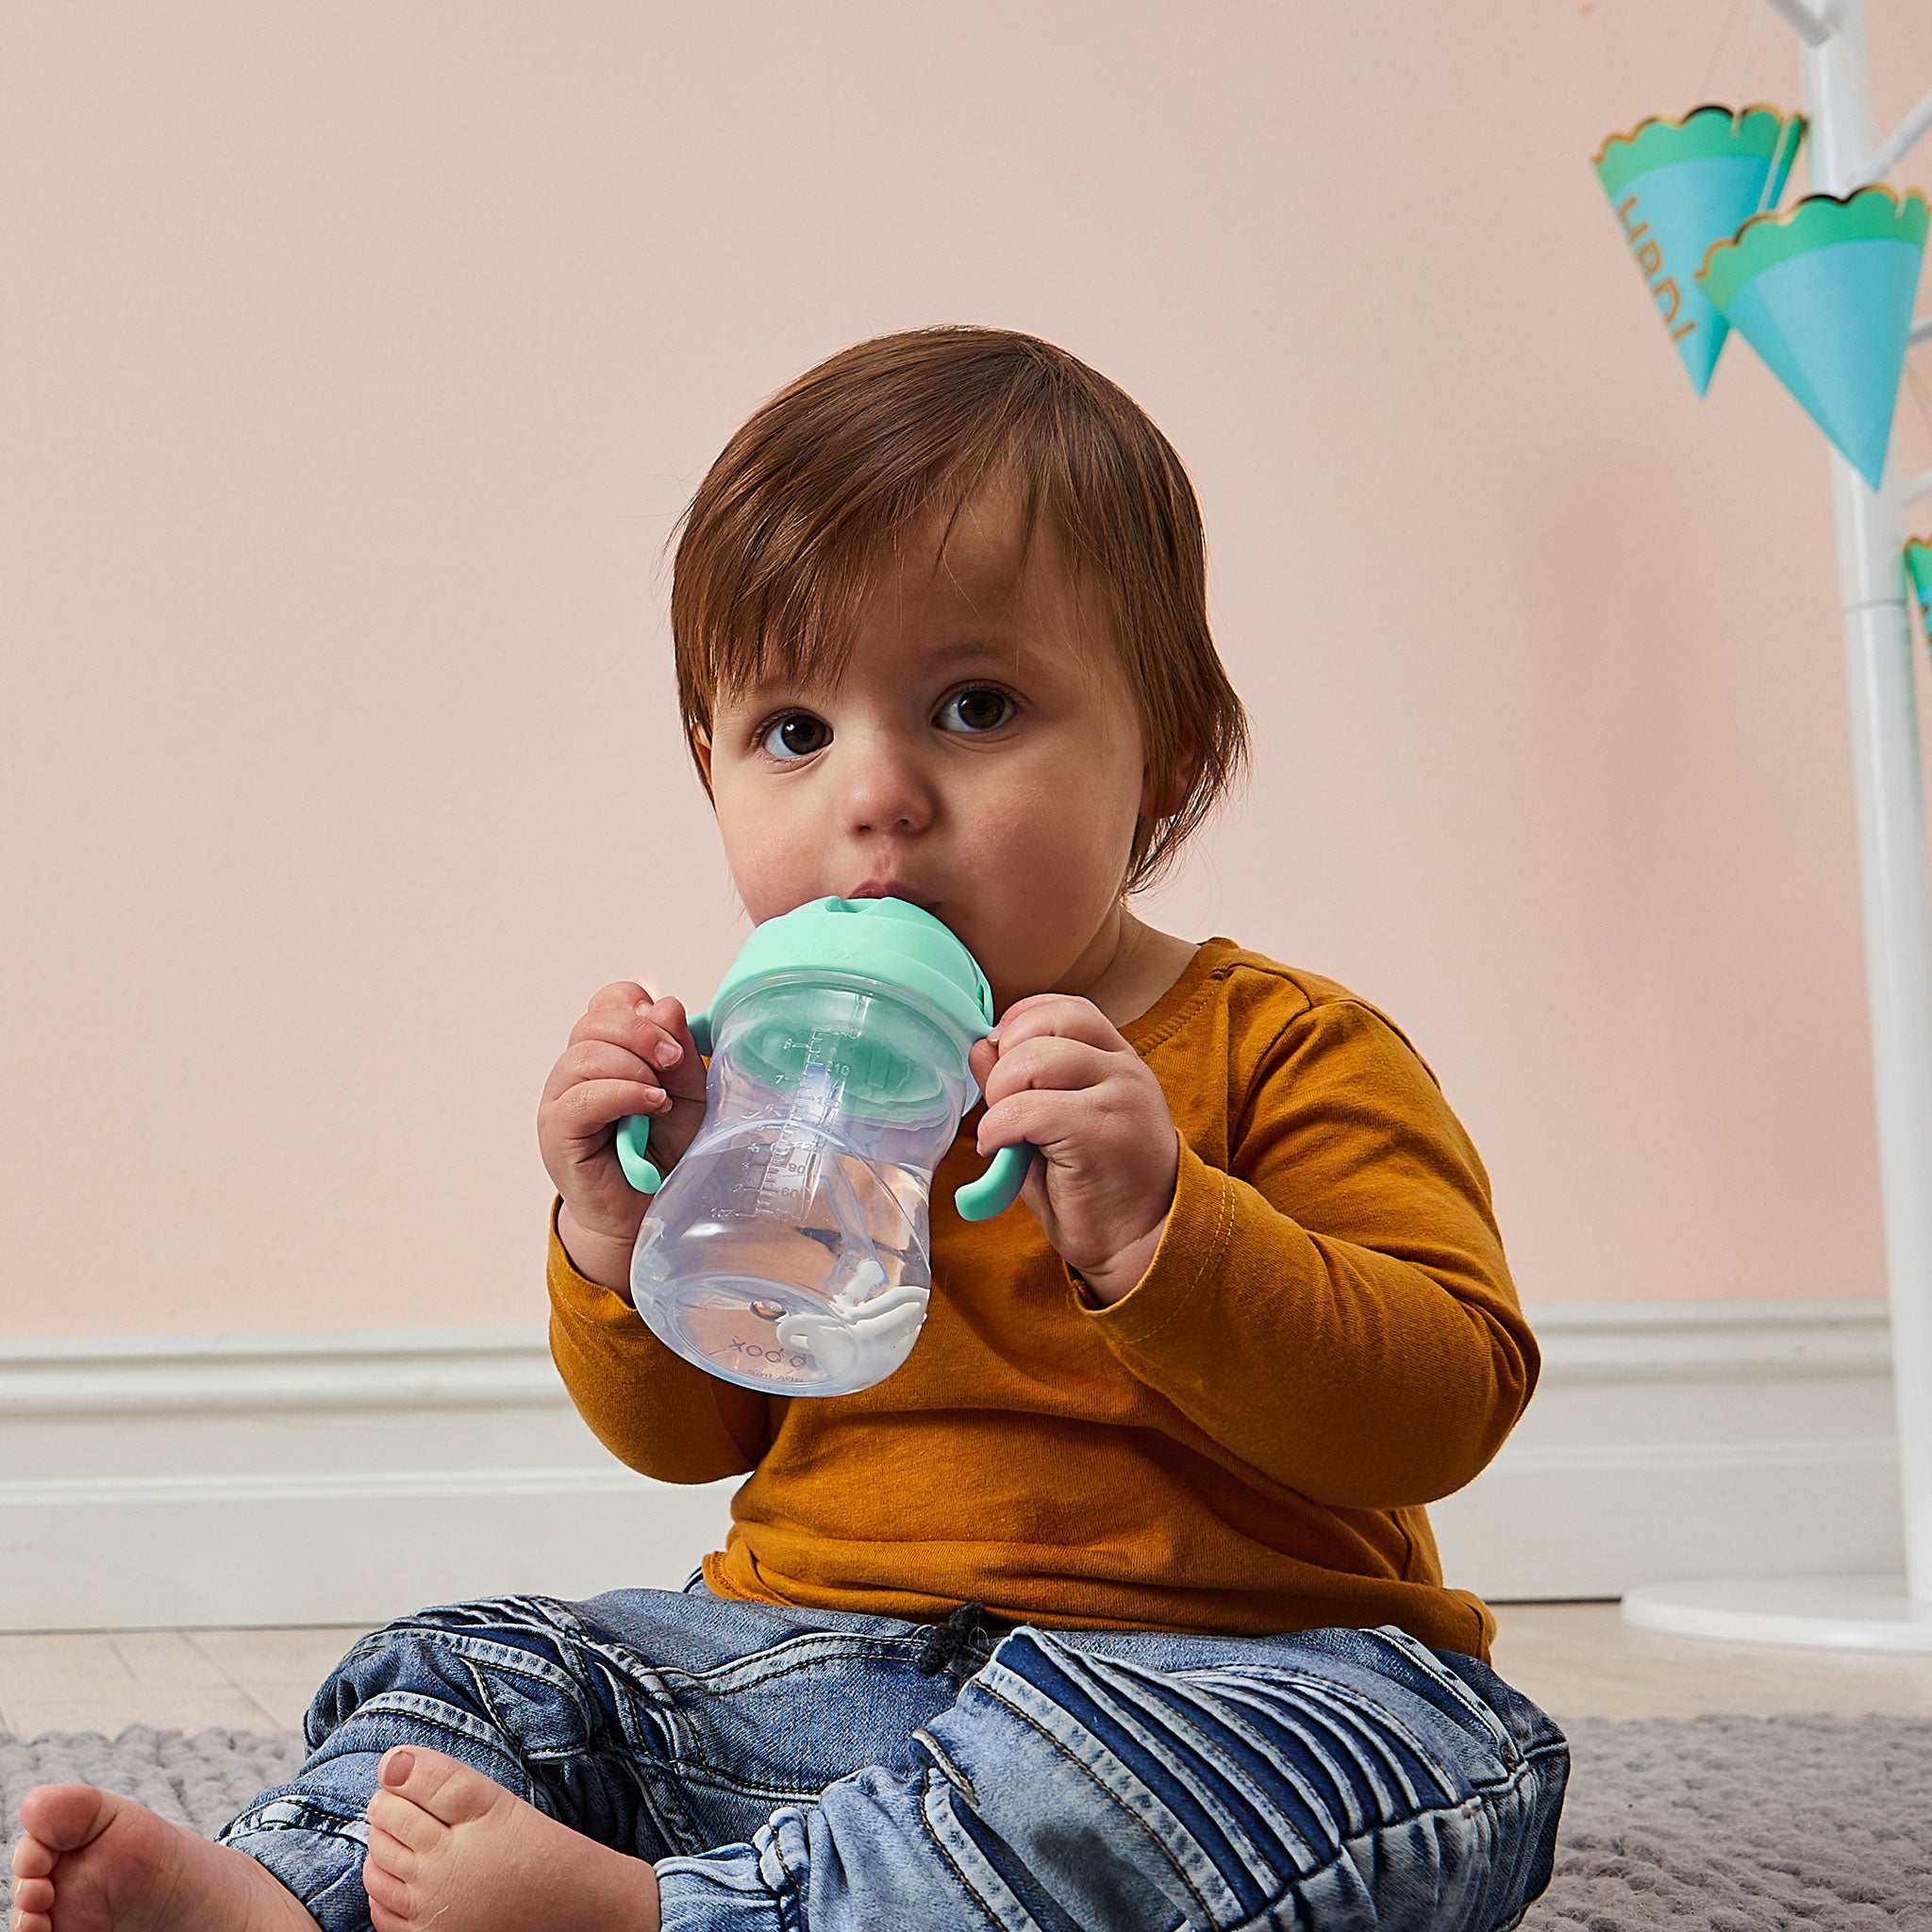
column 361, row 358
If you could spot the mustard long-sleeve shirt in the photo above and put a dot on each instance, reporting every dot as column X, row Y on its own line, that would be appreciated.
column 1327, row 1340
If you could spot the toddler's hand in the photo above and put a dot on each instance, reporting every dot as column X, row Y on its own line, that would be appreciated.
column 629, row 1054
column 1057, row 1072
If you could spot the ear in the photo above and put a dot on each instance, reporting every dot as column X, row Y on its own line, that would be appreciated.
column 1161, row 801
column 701, row 750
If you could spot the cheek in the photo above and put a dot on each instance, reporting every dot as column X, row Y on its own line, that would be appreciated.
column 1064, row 837
column 1054, row 851
column 764, row 852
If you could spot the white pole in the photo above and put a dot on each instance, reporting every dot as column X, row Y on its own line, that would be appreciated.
column 1894, row 148
column 1865, row 1612
column 1891, row 832
column 1811, row 25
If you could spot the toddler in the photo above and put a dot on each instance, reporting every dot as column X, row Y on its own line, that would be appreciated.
column 1116, row 1609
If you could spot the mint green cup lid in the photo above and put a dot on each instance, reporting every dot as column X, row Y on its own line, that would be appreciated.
column 871, row 945
column 884, row 940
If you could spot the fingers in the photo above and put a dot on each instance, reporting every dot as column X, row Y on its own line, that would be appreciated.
column 597, row 1064
column 980, row 1058
column 1063, row 1014
column 583, row 1114
column 1012, row 1056
column 639, row 1043
column 1042, row 1117
column 1047, row 1060
column 656, row 1031
column 629, row 1054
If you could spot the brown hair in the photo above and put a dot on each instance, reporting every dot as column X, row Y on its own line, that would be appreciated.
column 776, row 545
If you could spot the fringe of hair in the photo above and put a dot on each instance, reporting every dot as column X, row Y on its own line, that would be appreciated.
column 775, row 549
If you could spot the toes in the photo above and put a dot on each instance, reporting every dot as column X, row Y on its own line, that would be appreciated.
column 440, row 1784
column 32, row 1859
column 65, row 1817
column 389, row 1897
column 392, row 1855
column 408, row 1828
column 33, row 1895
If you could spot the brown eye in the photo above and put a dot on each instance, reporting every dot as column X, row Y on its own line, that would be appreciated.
column 979, row 709
column 797, row 734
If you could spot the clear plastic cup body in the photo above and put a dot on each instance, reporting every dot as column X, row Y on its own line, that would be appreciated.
column 789, row 1249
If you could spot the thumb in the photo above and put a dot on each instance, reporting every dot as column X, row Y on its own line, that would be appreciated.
column 983, row 1057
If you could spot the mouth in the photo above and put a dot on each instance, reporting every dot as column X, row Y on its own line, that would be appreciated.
column 892, row 889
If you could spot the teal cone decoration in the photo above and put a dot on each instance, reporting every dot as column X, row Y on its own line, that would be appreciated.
column 1678, row 186
column 1919, row 569
column 1825, row 294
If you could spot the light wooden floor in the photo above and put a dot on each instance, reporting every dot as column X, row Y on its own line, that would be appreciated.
column 1575, row 1659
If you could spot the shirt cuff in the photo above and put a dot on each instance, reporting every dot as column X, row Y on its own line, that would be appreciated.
column 576, row 1295
column 1192, row 1246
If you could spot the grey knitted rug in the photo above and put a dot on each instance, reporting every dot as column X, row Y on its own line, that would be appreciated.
column 1701, row 1824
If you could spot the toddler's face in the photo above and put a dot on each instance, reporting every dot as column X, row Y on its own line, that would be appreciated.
column 976, row 756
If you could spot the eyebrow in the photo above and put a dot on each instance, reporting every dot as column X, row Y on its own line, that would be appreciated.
column 1005, row 649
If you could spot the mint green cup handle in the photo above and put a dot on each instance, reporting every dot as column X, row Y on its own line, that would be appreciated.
column 998, row 1188
column 992, row 1193
column 633, row 1131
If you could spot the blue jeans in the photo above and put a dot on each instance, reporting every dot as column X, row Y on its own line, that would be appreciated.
column 816, row 1771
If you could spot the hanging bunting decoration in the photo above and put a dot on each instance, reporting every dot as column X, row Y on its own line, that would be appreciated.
column 1677, row 187
column 1825, row 294
column 1919, row 569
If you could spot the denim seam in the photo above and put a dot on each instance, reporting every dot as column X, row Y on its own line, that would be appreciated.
column 511, row 1663
column 644, row 1685
column 1477, row 1800
column 1426, row 1661
column 630, row 1718
column 1360, row 1705
column 610, row 1739
column 952, row 1864
column 825, row 1647
column 943, row 1758
column 319, row 1819
column 433, row 1711
column 713, row 1779
column 1086, row 1771
column 513, row 1747
column 788, row 1895
column 1246, row 1852
column 661, row 1800
column 1482, row 1797
column 1325, row 1740
column 648, row 1691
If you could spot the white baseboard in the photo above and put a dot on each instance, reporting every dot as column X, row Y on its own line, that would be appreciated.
column 1694, row 1440
column 343, row 1478
column 313, row 1480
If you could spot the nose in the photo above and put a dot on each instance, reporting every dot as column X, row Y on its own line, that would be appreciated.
column 883, row 787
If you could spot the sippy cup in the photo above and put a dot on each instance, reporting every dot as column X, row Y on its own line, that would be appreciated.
column 788, row 1250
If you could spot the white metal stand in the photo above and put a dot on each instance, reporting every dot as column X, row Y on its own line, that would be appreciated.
column 1866, row 1612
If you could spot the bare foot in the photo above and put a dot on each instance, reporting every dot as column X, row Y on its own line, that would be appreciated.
column 449, row 1847
column 92, row 1862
